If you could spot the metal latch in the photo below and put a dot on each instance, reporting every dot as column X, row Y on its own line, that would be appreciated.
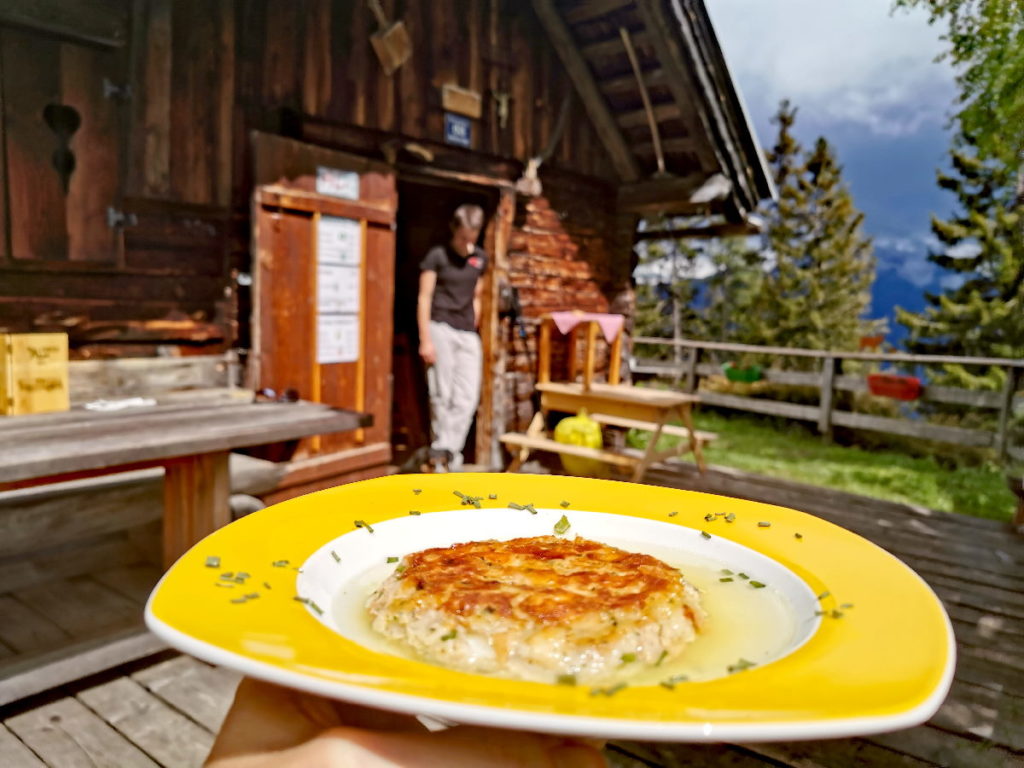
column 112, row 90
column 116, row 218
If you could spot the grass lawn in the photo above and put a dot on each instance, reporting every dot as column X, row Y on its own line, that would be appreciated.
column 790, row 450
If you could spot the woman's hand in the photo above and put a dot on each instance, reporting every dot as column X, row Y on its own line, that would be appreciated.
column 273, row 727
column 427, row 352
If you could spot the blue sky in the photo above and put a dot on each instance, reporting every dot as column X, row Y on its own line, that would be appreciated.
column 867, row 80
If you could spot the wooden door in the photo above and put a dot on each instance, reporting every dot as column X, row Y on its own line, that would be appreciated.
column 306, row 288
column 62, row 106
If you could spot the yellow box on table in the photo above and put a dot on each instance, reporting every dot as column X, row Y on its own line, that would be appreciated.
column 33, row 373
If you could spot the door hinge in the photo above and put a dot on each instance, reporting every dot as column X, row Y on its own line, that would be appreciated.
column 116, row 218
column 112, row 90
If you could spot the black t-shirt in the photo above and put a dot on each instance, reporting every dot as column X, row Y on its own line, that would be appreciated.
column 456, row 283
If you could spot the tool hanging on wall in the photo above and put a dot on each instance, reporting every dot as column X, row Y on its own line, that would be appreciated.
column 390, row 42
column 627, row 41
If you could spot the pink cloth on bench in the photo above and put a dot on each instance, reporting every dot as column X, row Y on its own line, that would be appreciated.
column 611, row 325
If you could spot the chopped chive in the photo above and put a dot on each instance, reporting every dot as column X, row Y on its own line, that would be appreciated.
column 705, row 534
column 709, row 517
column 743, row 576
column 673, row 513
column 266, row 585
column 727, row 578
column 335, row 556
column 227, row 576
column 740, row 665
column 223, row 584
column 764, row 524
column 311, row 604
column 492, row 496
column 243, row 575
column 364, row 524
column 513, row 505
column 213, row 562
column 607, row 691
column 824, row 594
column 758, row 584
column 531, row 509
column 239, row 579
column 726, row 571
column 400, row 569
column 279, row 563
column 392, row 559
column 670, row 683
column 798, row 536
column 846, row 606
column 460, row 494
column 239, row 599
column 252, row 595
column 661, row 658
column 837, row 614
column 417, row 491
column 448, row 635
column 628, row 658
column 563, row 504
column 562, row 525
column 414, row 512
column 730, row 517
column 819, row 613
column 566, row 679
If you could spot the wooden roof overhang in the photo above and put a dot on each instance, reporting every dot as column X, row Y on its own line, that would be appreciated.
column 710, row 160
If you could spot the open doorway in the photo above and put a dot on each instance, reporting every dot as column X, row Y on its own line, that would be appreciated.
column 424, row 210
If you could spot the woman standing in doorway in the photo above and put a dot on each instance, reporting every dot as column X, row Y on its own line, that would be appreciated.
column 448, row 313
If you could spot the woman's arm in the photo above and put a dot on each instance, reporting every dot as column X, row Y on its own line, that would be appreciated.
column 428, row 280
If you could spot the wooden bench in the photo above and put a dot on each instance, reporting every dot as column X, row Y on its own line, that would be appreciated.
column 612, row 404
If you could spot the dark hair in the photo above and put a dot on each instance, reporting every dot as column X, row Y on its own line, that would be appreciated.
column 469, row 216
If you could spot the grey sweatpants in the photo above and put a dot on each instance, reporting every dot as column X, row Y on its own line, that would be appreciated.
column 454, row 385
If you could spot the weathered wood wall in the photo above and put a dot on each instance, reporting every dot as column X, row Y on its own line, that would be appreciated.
column 174, row 155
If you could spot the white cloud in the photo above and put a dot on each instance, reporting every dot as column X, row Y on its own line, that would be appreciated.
column 839, row 61
column 953, row 281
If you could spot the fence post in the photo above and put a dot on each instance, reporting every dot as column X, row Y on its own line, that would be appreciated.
column 691, row 369
column 1006, row 412
column 828, row 376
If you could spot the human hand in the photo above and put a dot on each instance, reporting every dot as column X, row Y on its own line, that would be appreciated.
column 427, row 352
column 273, row 727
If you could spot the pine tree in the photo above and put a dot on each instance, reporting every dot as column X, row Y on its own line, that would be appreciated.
column 983, row 251
column 817, row 292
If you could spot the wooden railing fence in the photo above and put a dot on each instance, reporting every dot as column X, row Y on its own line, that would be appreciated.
column 690, row 362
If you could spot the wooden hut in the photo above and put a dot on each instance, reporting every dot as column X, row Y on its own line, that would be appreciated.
column 168, row 166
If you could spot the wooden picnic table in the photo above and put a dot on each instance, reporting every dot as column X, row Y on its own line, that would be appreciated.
column 190, row 441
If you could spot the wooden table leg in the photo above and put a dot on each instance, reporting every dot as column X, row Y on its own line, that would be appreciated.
column 536, row 429
column 197, row 493
column 652, row 450
column 698, row 453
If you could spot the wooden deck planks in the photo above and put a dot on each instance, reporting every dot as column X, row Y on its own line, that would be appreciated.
column 26, row 630
column 169, row 737
column 81, row 606
column 134, row 582
column 15, row 754
column 65, row 734
column 202, row 692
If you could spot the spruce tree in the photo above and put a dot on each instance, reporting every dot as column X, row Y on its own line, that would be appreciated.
column 819, row 287
column 982, row 246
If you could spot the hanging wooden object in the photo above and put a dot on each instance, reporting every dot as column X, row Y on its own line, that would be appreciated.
column 390, row 42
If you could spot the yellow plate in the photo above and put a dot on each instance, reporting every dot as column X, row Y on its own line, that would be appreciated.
column 883, row 664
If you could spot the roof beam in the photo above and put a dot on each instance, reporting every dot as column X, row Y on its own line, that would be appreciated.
column 656, row 195
column 613, row 46
column 638, row 117
column 684, row 80
column 674, row 145
column 626, row 84
column 595, row 9
column 726, row 229
column 561, row 38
